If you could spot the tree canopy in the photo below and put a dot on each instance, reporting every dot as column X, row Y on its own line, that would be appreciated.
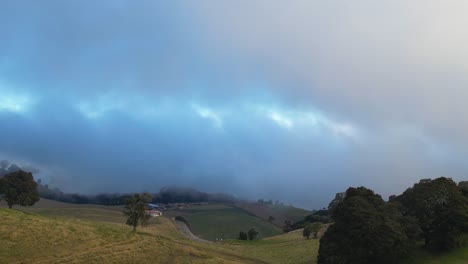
column 366, row 230
column 441, row 210
column 339, row 197
column 19, row 188
column 135, row 210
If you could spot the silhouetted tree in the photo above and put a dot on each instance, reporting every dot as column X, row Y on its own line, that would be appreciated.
column 252, row 233
column 306, row 232
column 135, row 210
column 19, row 188
column 366, row 230
column 441, row 210
column 242, row 236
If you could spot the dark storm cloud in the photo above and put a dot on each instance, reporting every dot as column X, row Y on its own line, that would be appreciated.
column 290, row 101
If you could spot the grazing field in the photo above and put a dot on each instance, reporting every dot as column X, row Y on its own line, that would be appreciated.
column 295, row 213
column 30, row 238
column 56, row 209
column 290, row 248
column 53, row 238
column 222, row 221
column 52, row 232
column 280, row 213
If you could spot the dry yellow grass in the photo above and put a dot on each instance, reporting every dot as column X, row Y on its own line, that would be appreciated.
column 53, row 232
column 29, row 238
column 32, row 238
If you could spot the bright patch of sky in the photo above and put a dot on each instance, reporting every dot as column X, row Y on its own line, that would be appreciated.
column 14, row 102
column 95, row 110
column 289, row 119
column 210, row 114
column 136, row 106
column 307, row 119
column 281, row 120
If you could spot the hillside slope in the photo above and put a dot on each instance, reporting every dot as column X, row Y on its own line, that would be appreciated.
column 279, row 213
column 58, row 236
column 224, row 221
column 30, row 238
column 68, row 233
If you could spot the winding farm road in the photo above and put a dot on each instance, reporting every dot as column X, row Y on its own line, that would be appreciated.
column 185, row 230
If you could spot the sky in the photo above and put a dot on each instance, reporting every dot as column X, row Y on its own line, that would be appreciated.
column 285, row 100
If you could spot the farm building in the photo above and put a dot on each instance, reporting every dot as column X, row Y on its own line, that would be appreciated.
column 154, row 213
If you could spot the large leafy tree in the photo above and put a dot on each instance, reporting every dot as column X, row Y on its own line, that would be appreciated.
column 19, row 188
column 366, row 230
column 441, row 210
column 135, row 210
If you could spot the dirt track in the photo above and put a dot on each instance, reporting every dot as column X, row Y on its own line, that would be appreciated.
column 184, row 229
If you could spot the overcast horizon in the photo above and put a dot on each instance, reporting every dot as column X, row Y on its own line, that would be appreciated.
column 292, row 101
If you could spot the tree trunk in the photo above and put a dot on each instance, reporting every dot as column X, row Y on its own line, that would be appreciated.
column 134, row 229
column 10, row 205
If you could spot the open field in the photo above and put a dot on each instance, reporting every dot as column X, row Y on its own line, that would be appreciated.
column 280, row 213
column 30, row 238
column 223, row 221
column 53, row 232
column 58, row 235
column 295, row 213
column 285, row 248
column 55, row 209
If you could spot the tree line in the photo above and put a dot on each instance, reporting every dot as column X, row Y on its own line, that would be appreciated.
column 165, row 195
column 367, row 229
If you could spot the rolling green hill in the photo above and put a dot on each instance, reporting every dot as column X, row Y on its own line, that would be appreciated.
column 280, row 213
column 223, row 221
column 67, row 233
column 54, row 232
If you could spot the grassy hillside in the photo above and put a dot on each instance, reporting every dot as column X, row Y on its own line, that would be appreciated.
column 222, row 221
column 279, row 212
column 287, row 248
column 67, row 233
column 295, row 213
column 100, row 213
column 59, row 235
column 29, row 238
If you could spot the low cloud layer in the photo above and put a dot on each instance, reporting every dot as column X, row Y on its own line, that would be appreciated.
column 289, row 101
